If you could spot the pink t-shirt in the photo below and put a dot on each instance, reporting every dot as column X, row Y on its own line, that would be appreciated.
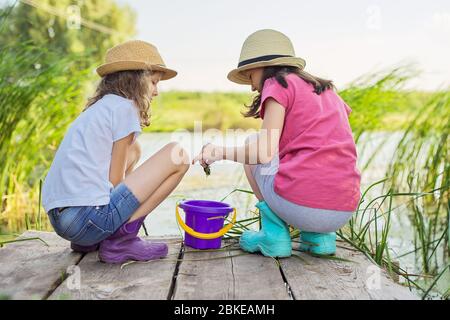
column 317, row 151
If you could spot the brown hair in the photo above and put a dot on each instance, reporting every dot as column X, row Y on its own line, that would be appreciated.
column 132, row 85
column 279, row 73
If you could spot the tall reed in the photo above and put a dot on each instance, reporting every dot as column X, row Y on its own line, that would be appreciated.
column 40, row 94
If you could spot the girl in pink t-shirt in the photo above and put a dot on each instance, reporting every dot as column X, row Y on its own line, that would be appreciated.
column 302, row 164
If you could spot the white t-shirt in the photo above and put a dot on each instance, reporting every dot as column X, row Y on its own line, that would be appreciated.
column 79, row 174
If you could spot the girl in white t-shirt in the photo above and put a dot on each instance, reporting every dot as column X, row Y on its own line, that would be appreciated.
column 92, row 194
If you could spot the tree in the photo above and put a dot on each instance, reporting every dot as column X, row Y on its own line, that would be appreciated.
column 67, row 26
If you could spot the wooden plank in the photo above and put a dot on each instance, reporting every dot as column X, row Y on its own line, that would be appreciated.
column 228, row 275
column 206, row 279
column 139, row 280
column 319, row 278
column 31, row 269
column 259, row 278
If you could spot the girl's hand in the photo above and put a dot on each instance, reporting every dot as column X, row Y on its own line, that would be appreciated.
column 210, row 153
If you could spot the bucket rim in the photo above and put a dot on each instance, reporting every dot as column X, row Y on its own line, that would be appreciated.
column 223, row 210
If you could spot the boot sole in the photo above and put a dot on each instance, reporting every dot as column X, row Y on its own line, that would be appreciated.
column 121, row 258
column 127, row 258
column 326, row 253
column 280, row 253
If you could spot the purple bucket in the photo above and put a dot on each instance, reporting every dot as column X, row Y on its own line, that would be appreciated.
column 205, row 217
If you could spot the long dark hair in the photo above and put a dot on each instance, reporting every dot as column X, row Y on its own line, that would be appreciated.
column 279, row 73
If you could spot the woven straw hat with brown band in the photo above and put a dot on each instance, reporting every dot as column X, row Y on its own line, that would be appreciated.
column 265, row 48
column 134, row 55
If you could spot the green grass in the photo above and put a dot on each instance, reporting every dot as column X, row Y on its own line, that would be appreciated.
column 174, row 110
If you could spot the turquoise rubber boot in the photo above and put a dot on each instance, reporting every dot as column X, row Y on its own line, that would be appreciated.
column 273, row 240
column 318, row 243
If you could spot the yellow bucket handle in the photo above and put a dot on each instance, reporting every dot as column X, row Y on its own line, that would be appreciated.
column 205, row 236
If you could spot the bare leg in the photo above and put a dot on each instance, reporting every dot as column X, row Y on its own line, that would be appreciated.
column 158, row 196
column 252, row 182
column 249, row 173
column 157, row 177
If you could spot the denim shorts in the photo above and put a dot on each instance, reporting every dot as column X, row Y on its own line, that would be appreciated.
column 301, row 217
column 88, row 225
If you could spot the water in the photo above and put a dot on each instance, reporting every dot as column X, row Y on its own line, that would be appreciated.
column 225, row 177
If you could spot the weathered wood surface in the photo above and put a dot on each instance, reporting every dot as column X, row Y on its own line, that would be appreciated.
column 228, row 275
column 359, row 279
column 32, row 270
column 94, row 280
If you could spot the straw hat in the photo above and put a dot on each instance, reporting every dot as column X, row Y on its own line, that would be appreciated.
column 262, row 49
column 134, row 55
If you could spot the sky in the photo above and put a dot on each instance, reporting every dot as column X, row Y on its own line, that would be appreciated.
column 340, row 40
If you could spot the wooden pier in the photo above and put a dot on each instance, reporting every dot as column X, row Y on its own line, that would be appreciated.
column 46, row 268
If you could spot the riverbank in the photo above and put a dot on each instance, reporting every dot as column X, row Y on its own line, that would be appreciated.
column 175, row 110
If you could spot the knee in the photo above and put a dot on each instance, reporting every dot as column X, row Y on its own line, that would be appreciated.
column 179, row 157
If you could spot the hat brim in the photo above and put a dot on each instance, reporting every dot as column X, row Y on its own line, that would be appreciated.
column 237, row 75
column 108, row 68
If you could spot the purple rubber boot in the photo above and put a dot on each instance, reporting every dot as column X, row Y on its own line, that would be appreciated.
column 83, row 249
column 124, row 245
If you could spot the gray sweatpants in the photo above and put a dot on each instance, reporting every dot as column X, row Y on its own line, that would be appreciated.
column 303, row 218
